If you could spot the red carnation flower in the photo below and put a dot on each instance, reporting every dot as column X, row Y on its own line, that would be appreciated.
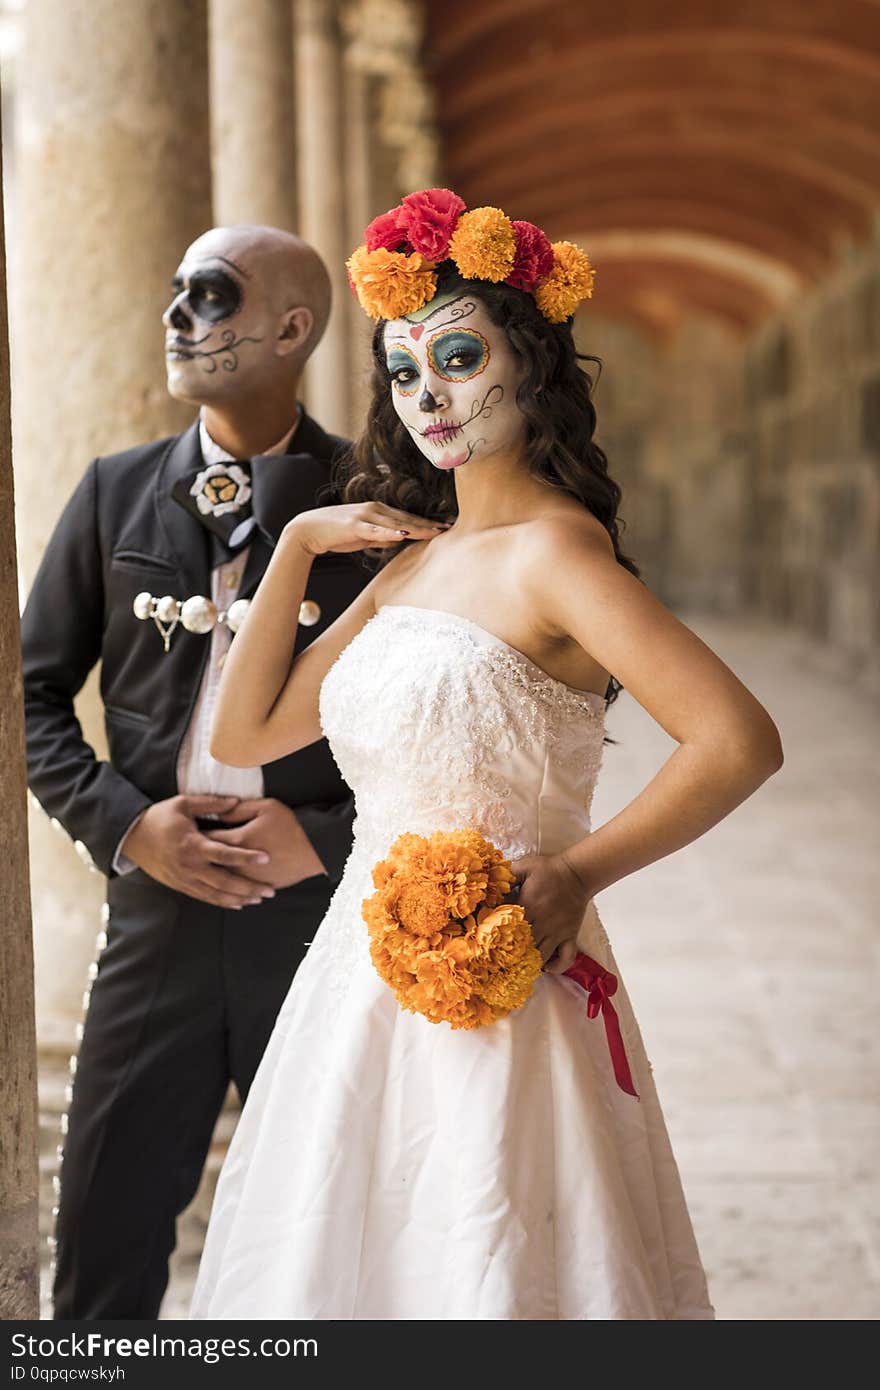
column 386, row 231
column 428, row 219
column 534, row 257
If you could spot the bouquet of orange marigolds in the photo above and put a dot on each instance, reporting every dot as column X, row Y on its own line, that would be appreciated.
column 441, row 934
column 451, row 948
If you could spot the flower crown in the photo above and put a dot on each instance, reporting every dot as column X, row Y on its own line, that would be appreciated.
column 393, row 272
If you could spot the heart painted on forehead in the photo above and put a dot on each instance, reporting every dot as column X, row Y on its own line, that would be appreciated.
column 416, row 331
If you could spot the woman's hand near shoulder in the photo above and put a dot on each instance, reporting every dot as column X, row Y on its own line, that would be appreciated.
column 268, row 704
column 349, row 526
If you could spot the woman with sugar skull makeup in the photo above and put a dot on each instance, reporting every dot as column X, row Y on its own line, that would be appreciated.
column 407, row 1170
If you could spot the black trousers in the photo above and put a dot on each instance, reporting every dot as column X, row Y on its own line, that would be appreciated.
column 185, row 999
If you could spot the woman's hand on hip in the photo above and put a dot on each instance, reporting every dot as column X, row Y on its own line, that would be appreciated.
column 358, row 526
column 554, row 901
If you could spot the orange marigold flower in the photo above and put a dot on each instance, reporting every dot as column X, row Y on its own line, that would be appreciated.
column 440, row 978
column 483, row 244
column 378, row 914
column 383, row 872
column 501, row 880
column 454, row 864
column 389, row 284
column 505, row 990
column 404, row 847
column 421, row 905
column 390, row 966
column 460, row 949
column 441, row 935
column 502, row 934
column 569, row 282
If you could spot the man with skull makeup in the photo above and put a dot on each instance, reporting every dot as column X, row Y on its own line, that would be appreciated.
column 218, row 875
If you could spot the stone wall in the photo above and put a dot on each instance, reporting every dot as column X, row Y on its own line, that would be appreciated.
column 670, row 419
column 751, row 468
column 812, row 380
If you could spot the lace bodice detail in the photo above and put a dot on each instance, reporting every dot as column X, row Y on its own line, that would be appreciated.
column 437, row 724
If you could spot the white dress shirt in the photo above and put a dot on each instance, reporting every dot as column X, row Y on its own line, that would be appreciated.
column 197, row 772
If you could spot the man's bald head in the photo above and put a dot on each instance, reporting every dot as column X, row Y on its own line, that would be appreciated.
column 251, row 304
column 290, row 270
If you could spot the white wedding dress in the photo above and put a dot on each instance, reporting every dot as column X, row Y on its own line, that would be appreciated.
column 385, row 1167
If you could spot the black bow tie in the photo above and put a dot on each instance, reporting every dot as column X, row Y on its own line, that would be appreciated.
column 219, row 495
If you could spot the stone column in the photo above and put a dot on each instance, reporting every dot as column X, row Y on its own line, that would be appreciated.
column 18, row 1062
column 390, row 141
column 113, row 166
column 385, row 41
column 359, row 133
column 252, row 116
column 321, row 192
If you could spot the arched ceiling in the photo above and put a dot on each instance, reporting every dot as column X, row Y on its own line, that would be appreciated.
column 710, row 158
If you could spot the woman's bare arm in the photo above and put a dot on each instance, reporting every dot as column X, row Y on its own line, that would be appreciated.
column 267, row 705
column 728, row 744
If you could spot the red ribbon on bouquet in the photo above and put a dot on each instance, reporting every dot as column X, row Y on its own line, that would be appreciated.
column 600, row 984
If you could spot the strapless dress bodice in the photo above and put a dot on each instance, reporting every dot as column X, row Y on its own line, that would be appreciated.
column 436, row 723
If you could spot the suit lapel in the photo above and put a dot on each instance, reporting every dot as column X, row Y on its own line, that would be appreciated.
column 283, row 486
column 187, row 538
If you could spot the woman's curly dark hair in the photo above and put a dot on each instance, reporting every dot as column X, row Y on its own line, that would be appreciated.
column 555, row 396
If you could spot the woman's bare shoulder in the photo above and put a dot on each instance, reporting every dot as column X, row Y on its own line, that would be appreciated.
column 561, row 530
column 398, row 570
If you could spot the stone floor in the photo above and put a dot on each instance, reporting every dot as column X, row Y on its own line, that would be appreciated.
column 753, row 960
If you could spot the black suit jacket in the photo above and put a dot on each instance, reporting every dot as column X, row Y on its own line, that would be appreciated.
column 121, row 533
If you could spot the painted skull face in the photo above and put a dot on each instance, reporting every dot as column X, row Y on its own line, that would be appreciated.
column 219, row 338
column 454, row 378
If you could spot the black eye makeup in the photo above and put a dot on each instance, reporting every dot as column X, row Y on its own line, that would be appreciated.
column 212, row 294
column 458, row 354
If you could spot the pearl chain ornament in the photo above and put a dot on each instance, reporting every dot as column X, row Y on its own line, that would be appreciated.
column 199, row 614
column 196, row 614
